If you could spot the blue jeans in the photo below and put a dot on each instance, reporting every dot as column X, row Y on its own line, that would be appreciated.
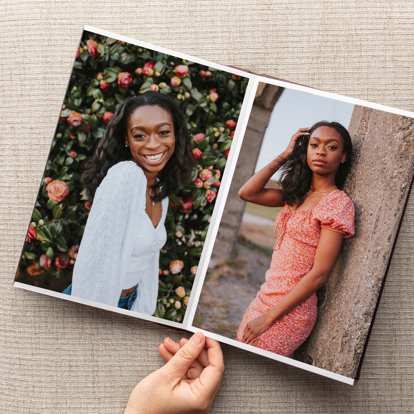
column 125, row 302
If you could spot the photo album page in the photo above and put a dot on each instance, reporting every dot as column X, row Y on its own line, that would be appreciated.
column 208, row 198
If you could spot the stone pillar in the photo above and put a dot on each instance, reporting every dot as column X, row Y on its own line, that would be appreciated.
column 266, row 98
column 379, row 185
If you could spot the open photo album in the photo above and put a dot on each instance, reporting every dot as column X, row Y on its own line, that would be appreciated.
column 207, row 198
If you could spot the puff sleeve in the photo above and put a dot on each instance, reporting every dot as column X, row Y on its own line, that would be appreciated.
column 105, row 248
column 336, row 212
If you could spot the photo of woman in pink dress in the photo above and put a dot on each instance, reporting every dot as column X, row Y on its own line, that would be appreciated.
column 315, row 217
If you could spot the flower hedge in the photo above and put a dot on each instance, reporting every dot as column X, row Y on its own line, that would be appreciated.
column 107, row 71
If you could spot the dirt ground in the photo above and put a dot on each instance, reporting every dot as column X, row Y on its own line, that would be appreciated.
column 231, row 286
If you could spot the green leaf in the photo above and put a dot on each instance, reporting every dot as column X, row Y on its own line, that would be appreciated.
column 197, row 96
column 36, row 215
column 57, row 211
column 51, row 204
column 69, row 161
column 61, row 244
column 159, row 66
column 49, row 252
column 187, row 83
column 40, row 235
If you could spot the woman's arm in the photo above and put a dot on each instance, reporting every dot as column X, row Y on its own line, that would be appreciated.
column 328, row 249
column 254, row 189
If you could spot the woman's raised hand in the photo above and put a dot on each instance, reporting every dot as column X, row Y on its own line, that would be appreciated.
column 292, row 143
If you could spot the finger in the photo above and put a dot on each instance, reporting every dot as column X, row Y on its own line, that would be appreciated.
column 196, row 367
column 164, row 353
column 211, row 376
column 179, row 364
column 202, row 359
column 171, row 345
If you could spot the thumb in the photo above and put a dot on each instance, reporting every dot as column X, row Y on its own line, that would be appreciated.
column 179, row 364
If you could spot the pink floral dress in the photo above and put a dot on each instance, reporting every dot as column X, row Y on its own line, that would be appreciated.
column 294, row 250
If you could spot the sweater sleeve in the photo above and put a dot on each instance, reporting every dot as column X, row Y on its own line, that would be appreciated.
column 100, row 265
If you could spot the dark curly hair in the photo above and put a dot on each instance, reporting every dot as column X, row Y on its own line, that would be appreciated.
column 296, row 174
column 111, row 148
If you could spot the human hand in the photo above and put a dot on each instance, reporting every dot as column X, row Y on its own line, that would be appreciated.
column 187, row 383
column 255, row 328
column 292, row 143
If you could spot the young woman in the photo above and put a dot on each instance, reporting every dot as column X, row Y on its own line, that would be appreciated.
column 144, row 156
column 315, row 217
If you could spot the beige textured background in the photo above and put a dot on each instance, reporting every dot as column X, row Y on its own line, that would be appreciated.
column 60, row 357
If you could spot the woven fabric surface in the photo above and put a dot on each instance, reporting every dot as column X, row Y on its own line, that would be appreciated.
column 61, row 357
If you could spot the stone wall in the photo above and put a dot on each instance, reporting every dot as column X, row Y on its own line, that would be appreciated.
column 379, row 185
column 266, row 98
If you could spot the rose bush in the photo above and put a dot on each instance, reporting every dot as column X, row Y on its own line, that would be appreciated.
column 107, row 71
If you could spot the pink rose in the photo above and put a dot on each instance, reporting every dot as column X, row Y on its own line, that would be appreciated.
column 73, row 154
column 216, row 183
column 75, row 119
column 207, row 184
column 31, row 233
column 175, row 81
column 186, row 300
column 87, row 205
column 230, row 124
column 205, row 174
column 236, row 77
column 197, row 138
column 197, row 153
column 217, row 174
column 73, row 251
column 180, row 291
column 198, row 183
column 232, row 134
column 104, row 85
column 124, row 79
column 213, row 95
column 92, row 48
column 187, row 204
column 193, row 269
column 57, row 190
column 61, row 262
column 47, row 180
column 45, row 262
column 202, row 73
column 176, row 266
column 99, row 76
column 107, row 116
column 154, row 88
column 181, row 70
column 138, row 71
column 148, row 69
column 71, row 136
column 210, row 195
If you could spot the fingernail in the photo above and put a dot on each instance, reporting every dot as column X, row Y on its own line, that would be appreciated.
column 197, row 338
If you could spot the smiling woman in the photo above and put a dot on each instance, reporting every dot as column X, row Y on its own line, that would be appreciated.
column 315, row 217
column 144, row 156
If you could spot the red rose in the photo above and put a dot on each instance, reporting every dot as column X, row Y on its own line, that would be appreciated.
column 57, row 190
column 236, row 77
column 210, row 195
column 33, row 270
column 232, row 134
column 197, row 138
column 72, row 136
column 92, row 48
column 104, row 85
column 87, row 205
column 216, row 183
column 31, row 233
column 230, row 124
column 75, row 119
column 187, row 204
column 202, row 73
column 197, row 153
column 61, row 262
column 181, row 70
column 124, row 79
column 175, row 81
column 226, row 153
column 107, row 116
column 148, row 69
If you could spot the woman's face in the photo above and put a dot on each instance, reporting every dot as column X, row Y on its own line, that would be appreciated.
column 325, row 151
column 150, row 137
